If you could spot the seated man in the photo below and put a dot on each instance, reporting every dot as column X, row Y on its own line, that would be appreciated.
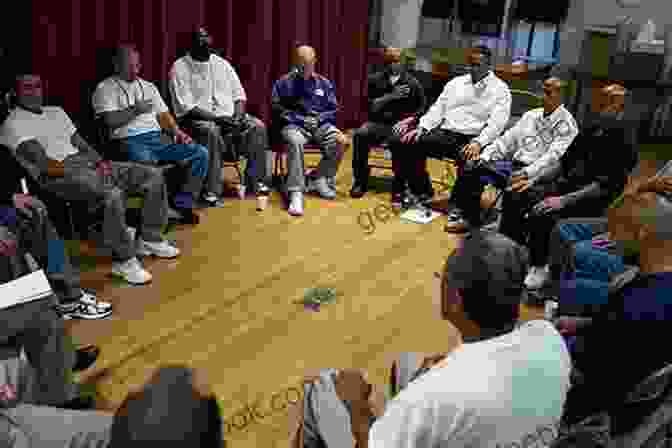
column 639, row 314
column 471, row 113
column 504, row 386
column 584, row 259
column 36, row 328
column 581, row 184
column 526, row 151
column 135, row 113
column 29, row 226
column 174, row 408
column 393, row 94
column 46, row 142
column 209, row 100
column 305, row 102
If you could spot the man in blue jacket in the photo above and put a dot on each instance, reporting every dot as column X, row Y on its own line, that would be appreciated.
column 305, row 103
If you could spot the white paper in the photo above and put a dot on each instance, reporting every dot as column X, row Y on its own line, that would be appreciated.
column 419, row 216
column 33, row 286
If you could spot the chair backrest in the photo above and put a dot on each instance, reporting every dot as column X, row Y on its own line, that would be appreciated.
column 652, row 387
column 521, row 102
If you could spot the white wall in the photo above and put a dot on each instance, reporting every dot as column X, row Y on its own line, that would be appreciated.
column 400, row 20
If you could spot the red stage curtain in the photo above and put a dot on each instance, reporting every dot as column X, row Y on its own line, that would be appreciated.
column 255, row 35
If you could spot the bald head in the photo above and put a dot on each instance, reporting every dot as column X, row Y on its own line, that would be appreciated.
column 305, row 57
column 127, row 62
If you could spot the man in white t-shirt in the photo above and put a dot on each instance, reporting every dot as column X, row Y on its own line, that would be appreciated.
column 210, row 100
column 135, row 113
column 46, row 142
column 504, row 386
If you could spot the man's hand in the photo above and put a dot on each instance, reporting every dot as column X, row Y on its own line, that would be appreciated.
column 519, row 183
column 143, row 107
column 432, row 360
column 182, row 138
column 104, row 168
column 402, row 127
column 568, row 326
column 8, row 248
column 401, row 91
column 413, row 136
column 22, row 201
column 549, row 205
column 310, row 122
column 352, row 387
column 472, row 151
column 657, row 184
column 55, row 168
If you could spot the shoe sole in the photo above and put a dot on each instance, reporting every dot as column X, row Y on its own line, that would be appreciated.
column 121, row 277
column 89, row 316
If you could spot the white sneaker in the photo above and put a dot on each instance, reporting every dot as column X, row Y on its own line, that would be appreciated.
column 296, row 203
column 161, row 249
column 132, row 271
column 537, row 277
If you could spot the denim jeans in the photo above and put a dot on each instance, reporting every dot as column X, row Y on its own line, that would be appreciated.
column 588, row 282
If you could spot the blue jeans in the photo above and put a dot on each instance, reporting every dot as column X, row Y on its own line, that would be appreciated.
column 595, row 266
column 148, row 147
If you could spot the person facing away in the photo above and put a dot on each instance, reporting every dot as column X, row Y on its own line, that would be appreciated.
column 135, row 113
column 504, row 385
column 305, row 104
column 394, row 94
column 209, row 100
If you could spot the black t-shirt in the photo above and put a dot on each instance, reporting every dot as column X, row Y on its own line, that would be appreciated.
column 414, row 103
column 11, row 173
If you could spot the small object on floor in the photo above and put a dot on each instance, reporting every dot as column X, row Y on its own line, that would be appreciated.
column 85, row 357
column 316, row 297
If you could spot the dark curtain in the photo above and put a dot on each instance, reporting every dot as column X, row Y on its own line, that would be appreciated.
column 70, row 39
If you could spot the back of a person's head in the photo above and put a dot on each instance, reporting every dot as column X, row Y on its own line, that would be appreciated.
column 490, row 278
column 168, row 412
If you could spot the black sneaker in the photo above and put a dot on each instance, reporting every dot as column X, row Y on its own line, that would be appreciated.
column 85, row 357
column 86, row 307
column 188, row 216
column 79, row 404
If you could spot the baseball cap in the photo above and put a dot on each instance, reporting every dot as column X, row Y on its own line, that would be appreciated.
column 491, row 263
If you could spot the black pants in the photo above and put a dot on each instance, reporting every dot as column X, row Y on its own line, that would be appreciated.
column 514, row 207
column 468, row 190
column 362, row 139
column 412, row 159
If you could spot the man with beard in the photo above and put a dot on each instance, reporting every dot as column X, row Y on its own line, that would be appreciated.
column 209, row 100
column 394, row 94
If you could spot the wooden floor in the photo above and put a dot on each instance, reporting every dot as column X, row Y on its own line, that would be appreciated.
column 227, row 305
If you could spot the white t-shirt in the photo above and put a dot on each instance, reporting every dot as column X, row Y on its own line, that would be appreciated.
column 53, row 129
column 212, row 85
column 115, row 94
column 503, row 392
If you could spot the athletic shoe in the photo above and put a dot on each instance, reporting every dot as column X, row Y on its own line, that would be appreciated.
column 537, row 277
column 132, row 271
column 161, row 249
column 321, row 187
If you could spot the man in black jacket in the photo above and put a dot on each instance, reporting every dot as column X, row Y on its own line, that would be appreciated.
column 394, row 94
column 584, row 182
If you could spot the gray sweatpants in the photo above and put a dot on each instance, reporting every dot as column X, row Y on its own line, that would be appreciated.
column 28, row 426
column 82, row 183
column 326, row 419
column 296, row 139
column 254, row 145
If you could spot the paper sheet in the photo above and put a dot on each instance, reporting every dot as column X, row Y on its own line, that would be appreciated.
column 33, row 286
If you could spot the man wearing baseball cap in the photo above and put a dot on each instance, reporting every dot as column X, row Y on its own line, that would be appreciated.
column 505, row 385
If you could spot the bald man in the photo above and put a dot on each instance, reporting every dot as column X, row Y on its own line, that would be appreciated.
column 520, row 156
column 394, row 94
column 305, row 103
column 585, row 181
